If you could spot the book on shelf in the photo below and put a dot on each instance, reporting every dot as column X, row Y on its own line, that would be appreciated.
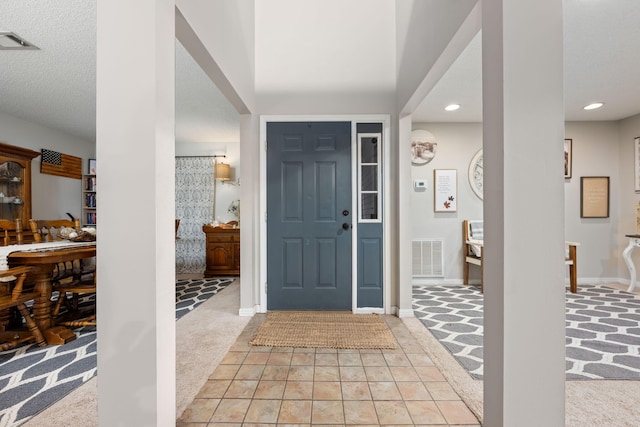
column 90, row 200
column 91, row 218
column 90, row 183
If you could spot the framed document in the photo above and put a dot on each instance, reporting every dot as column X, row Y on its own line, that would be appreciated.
column 445, row 190
column 567, row 158
column 594, row 197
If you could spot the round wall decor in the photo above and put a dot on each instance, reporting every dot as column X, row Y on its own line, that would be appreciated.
column 475, row 174
column 423, row 147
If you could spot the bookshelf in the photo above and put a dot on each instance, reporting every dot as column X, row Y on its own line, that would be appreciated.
column 89, row 202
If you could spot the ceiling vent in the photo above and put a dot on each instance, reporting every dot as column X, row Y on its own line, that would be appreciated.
column 12, row 41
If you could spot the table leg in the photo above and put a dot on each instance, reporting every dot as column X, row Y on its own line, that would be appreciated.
column 626, row 254
column 55, row 335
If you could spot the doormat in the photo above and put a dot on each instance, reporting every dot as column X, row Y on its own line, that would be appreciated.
column 328, row 329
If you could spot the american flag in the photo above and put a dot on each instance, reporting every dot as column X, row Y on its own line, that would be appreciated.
column 60, row 164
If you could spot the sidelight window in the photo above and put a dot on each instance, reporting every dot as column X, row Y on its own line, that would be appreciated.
column 369, row 173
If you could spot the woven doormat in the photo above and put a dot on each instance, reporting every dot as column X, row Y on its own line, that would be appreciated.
column 324, row 330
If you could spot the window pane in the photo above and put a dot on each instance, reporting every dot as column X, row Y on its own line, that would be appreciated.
column 369, row 178
column 369, row 150
column 369, row 206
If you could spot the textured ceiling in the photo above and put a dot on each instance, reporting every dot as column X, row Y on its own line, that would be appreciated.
column 55, row 86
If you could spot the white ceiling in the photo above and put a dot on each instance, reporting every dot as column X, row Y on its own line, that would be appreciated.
column 55, row 86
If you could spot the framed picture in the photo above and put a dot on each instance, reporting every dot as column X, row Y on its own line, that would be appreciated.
column 636, row 148
column 445, row 190
column 92, row 167
column 567, row 158
column 423, row 147
column 594, row 197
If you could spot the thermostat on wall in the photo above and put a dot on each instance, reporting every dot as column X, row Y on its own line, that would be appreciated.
column 419, row 184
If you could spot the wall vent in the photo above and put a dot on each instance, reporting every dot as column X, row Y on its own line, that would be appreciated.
column 428, row 259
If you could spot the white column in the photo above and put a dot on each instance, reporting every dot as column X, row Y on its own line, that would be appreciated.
column 523, row 113
column 250, row 214
column 403, row 261
column 136, row 247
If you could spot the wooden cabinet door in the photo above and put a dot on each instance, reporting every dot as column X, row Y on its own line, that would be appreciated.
column 220, row 257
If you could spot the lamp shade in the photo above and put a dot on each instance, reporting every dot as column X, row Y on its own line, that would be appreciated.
column 223, row 172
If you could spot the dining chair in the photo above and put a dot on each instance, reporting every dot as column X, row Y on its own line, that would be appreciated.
column 71, row 294
column 48, row 230
column 73, row 280
column 12, row 232
column 14, row 293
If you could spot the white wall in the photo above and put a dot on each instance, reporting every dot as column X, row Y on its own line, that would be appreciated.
column 52, row 196
column 457, row 144
column 595, row 153
column 599, row 149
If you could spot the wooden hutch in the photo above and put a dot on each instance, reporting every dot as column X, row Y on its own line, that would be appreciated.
column 15, row 182
column 222, row 250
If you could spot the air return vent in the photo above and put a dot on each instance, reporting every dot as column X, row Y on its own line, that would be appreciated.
column 428, row 260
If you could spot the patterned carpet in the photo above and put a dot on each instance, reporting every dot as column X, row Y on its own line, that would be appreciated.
column 603, row 329
column 33, row 378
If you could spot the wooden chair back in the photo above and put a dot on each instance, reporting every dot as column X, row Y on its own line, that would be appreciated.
column 11, row 232
column 472, row 243
column 48, row 230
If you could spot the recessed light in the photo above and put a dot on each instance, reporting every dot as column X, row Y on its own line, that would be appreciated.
column 593, row 106
column 452, row 107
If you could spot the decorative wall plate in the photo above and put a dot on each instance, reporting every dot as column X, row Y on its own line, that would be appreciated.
column 475, row 174
column 423, row 147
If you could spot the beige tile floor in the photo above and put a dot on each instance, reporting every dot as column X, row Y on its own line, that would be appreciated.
column 319, row 386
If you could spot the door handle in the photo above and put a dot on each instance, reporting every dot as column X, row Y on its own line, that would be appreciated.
column 345, row 226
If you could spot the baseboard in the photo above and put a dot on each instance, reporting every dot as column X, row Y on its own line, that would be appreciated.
column 601, row 280
column 405, row 312
column 369, row 310
column 419, row 281
column 581, row 281
column 247, row 311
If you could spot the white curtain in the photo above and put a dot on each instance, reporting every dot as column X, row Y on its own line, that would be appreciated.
column 194, row 207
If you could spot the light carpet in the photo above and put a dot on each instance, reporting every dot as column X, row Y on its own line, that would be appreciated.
column 324, row 330
column 33, row 378
column 602, row 324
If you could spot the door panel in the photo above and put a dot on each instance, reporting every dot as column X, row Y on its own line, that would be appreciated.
column 308, row 188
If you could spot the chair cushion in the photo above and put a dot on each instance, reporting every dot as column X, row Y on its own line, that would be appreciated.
column 476, row 230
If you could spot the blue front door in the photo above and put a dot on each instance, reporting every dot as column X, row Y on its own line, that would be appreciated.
column 309, row 216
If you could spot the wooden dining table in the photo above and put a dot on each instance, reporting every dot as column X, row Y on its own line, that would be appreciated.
column 43, row 257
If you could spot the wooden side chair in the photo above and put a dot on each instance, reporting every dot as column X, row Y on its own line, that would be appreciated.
column 72, row 280
column 472, row 243
column 75, row 315
column 571, row 259
column 14, row 294
column 48, row 230
column 12, row 232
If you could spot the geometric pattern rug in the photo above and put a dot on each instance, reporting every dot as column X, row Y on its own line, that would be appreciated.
column 33, row 378
column 602, row 329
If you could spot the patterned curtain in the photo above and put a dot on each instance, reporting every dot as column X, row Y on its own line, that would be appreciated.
column 194, row 208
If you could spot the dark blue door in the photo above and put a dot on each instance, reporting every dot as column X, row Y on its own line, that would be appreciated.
column 309, row 216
